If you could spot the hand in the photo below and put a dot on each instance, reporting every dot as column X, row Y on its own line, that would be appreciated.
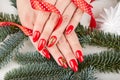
column 43, row 23
column 40, row 21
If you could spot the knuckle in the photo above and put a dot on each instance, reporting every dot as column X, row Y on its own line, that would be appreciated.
column 66, row 18
column 27, row 18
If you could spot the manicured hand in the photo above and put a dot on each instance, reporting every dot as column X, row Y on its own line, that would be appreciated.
column 45, row 37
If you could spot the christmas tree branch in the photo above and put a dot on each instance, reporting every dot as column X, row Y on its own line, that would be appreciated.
column 98, row 38
column 8, row 46
column 86, row 74
column 107, row 61
column 38, row 72
column 4, row 32
column 13, row 3
column 48, row 72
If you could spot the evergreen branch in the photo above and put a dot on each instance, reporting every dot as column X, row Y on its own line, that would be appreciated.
column 13, row 3
column 9, row 18
column 107, row 61
column 86, row 74
column 38, row 72
column 98, row 38
column 8, row 46
column 5, row 31
column 31, row 57
column 45, row 72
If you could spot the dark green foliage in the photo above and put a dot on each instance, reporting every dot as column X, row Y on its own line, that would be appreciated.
column 48, row 72
column 8, row 46
column 5, row 31
column 107, row 61
column 85, row 74
column 98, row 38
column 37, row 68
column 38, row 72
column 9, row 17
column 14, row 3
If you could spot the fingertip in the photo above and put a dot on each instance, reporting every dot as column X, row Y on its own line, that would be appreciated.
column 52, row 41
column 62, row 62
column 69, row 29
column 73, row 65
column 41, row 44
column 79, row 56
column 46, row 53
column 36, row 35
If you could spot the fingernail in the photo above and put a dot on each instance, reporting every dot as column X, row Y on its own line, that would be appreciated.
column 52, row 41
column 79, row 56
column 69, row 29
column 46, row 53
column 41, row 44
column 36, row 36
column 62, row 62
column 59, row 23
column 73, row 65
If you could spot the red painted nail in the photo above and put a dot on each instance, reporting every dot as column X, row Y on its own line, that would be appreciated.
column 36, row 36
column 41, row 44
column 46, row 53
column 62, row 62
column 52, row 41
column 79, row 56
column 59, row 23
column 69, row 29
column 73, row 65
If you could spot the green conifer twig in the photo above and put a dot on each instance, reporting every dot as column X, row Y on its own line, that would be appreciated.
column 98, row 38
column 5, row 31
column 8, row 46
column 107, row 61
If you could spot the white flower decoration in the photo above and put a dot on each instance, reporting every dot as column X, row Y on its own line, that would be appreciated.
column 109, row 20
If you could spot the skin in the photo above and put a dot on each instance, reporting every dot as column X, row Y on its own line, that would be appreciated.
column 44, row 22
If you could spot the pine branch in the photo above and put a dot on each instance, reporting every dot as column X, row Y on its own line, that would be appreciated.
column 38, row 72
column 5, row 31
column 45, row 72
column 13, row 3
column 8, row 47
column 107, row 61
column 86, row 74
column 31, row 57
column 98, row 38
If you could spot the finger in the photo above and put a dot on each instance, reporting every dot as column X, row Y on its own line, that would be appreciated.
column 74, row 22
column 67, row 15
column 65, row 49
column 51, row 23
column 59, row 58
column 75, row 46
column 40, row 21
column 71, row 36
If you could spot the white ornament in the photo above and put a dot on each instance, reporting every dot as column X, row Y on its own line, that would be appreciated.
column 109, row 20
